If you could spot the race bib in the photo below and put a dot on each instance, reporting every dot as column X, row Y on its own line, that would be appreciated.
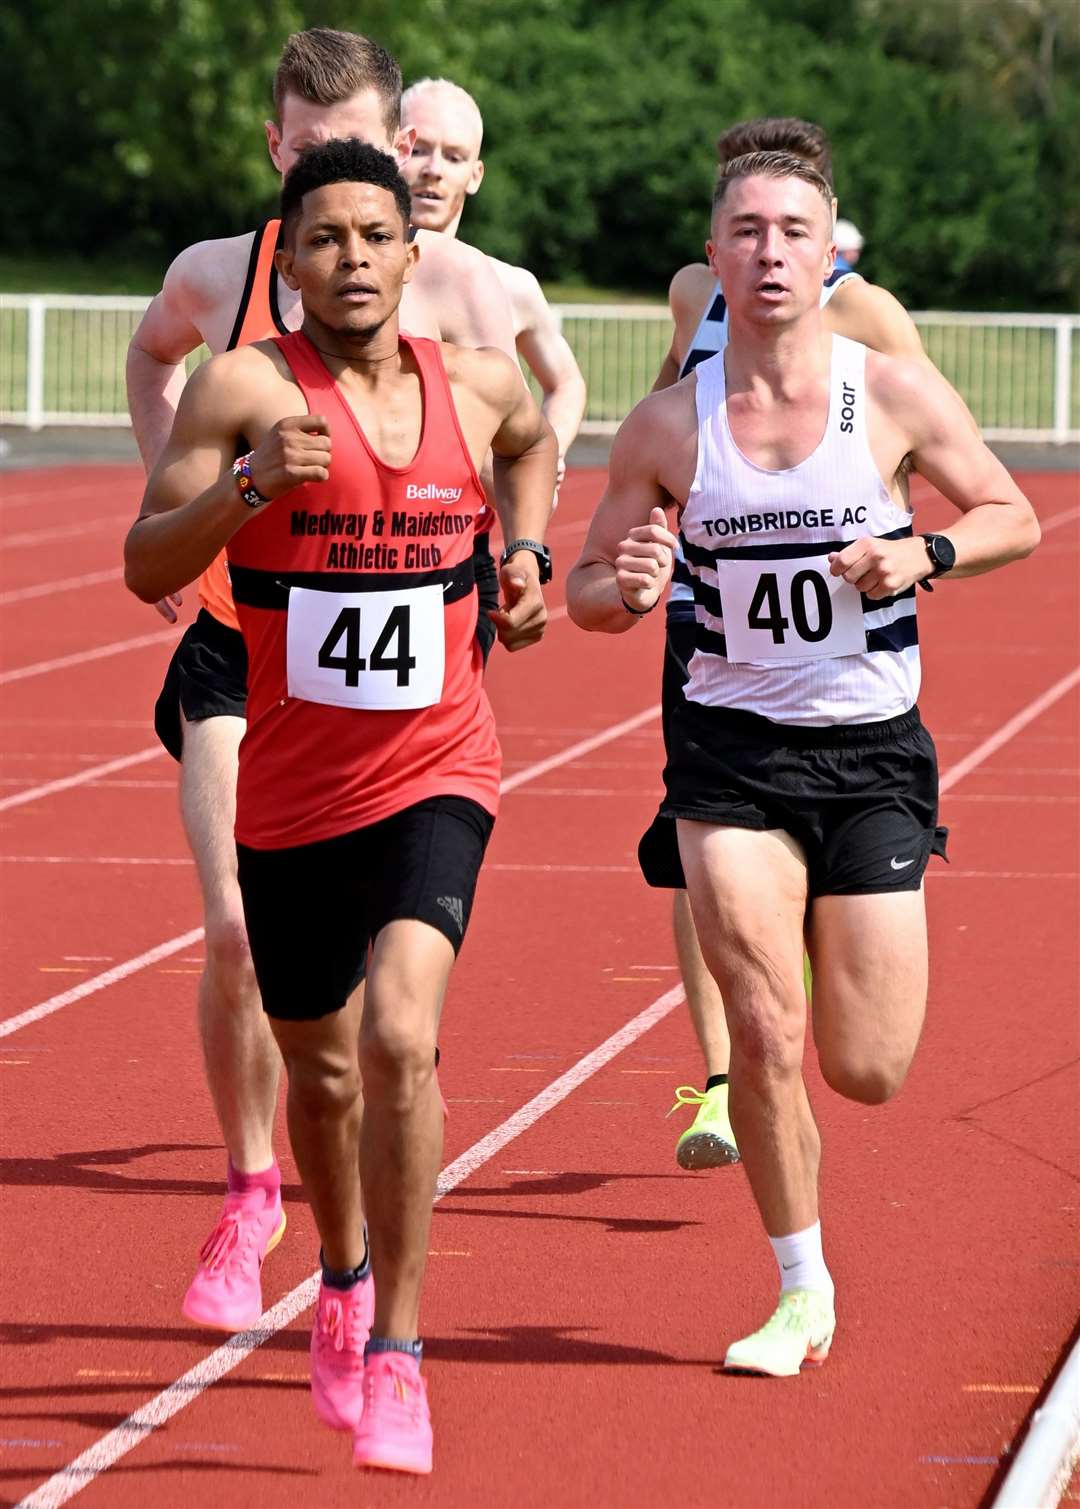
column 788, row 610
column 382, row 651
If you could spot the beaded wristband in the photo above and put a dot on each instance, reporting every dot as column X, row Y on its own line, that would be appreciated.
column 241, row 469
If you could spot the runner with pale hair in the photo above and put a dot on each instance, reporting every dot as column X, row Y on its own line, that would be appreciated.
column 445, row 170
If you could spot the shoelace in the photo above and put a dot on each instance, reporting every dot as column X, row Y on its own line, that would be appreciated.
column 223, row 1240
column 686, row 1095
column 396, row 1387
column 791, row 1314
column 343, row 1327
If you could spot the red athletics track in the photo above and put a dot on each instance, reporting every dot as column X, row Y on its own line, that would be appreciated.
column 581, row 1288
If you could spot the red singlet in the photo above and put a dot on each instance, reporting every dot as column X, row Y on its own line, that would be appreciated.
column 357, row 604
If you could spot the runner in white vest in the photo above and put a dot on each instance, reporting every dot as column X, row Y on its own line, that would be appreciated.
column 856, row 309
column 803, row 783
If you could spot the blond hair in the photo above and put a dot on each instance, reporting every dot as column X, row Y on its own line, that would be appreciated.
column 325, row 67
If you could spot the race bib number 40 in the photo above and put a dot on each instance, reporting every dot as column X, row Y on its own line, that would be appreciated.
column 380, row 651
column 788, row 610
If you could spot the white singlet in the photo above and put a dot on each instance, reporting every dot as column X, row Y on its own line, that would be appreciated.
column 710, row 337
column 776, row 634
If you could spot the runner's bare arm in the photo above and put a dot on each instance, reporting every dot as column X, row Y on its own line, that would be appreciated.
column 688, row 293
column 998, row 524
column 473, row 306
column 192, row 505
column 526, row 456
column 627, row 555
column 548, row 355
column 165, row 335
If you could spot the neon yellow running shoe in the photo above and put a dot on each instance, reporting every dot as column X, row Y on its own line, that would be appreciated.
column 797, row 1335
column 708, row 1141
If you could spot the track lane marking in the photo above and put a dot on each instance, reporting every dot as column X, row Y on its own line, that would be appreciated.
column 141, row 1423
column 30, row 537
column 83, row 1469
column 91, row 773
column 172, row 945
column 82, row 657
column 62, row 584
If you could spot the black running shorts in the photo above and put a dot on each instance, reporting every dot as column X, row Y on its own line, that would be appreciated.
column 861, row 799
column 658, row 851
column 207, row 678
column 313, row 911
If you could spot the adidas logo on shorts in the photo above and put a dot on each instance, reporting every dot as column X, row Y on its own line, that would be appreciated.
column 454, row 905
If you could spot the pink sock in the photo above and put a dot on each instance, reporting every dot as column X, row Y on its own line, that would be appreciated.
column 267, row 1179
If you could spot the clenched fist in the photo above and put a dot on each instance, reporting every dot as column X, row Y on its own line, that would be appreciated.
column 293, row 451
column 644, row 562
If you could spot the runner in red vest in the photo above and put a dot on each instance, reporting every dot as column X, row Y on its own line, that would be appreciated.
column 369, row 773
column 228, row 293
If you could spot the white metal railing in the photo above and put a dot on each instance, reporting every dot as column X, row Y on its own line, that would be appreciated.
column 62, row 362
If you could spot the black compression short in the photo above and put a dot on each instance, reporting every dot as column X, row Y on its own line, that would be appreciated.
column 313, row 911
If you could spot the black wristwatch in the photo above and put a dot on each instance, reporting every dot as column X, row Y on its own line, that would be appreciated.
column 541, row 552
column 942, row 553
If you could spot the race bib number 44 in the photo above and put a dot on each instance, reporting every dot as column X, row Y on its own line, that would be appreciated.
column 380, row 651
column 788, row 610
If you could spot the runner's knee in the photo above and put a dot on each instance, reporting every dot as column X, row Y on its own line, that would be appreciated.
column 228, row 954
column 397, row 1057
column 869, row 1079
column 324, row 1081
column 766, row 1038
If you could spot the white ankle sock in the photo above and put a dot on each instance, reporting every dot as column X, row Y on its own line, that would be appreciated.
column 800, row 1261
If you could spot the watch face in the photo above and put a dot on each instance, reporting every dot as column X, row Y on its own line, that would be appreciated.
column 943, row 551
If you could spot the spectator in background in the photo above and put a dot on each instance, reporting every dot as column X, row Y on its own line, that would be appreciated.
column 849, row 243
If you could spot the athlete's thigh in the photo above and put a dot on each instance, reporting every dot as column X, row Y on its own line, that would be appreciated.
column 407, row 977
column 747, row 892
column 869, row 960
column 208, row 804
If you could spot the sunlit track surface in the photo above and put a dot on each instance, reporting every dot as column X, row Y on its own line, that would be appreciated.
column 581, row 1289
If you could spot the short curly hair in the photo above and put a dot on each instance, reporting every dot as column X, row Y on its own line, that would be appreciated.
column 342, row 160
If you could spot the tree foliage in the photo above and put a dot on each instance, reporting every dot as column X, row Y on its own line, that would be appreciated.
column 136, row 125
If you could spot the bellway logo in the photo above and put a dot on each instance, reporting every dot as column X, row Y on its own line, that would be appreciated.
column 430, row 493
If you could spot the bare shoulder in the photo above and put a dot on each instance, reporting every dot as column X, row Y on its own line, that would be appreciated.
column 488, row 371
column 913, row 394
column 867, row 313
column 662, row 420
column 444, row 259
column 522, row 286
column 209, row 272
column 238, row 377
column 689, row 289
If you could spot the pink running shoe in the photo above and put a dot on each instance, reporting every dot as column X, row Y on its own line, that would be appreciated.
column 226, row 1292
column 395, row 1428
column 342, row 1326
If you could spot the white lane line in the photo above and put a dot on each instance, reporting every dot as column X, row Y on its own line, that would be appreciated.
column 1056, row 520
column 64, row 531
column 1041, row 1469
column 98, row 1458
column 90, row 1464
column 76, row 494
column 83, row 657
column 99, row 982
column 64, row 584
column 582, row 747
column 1009, row 730
column 91, row 773
column 121, row 972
